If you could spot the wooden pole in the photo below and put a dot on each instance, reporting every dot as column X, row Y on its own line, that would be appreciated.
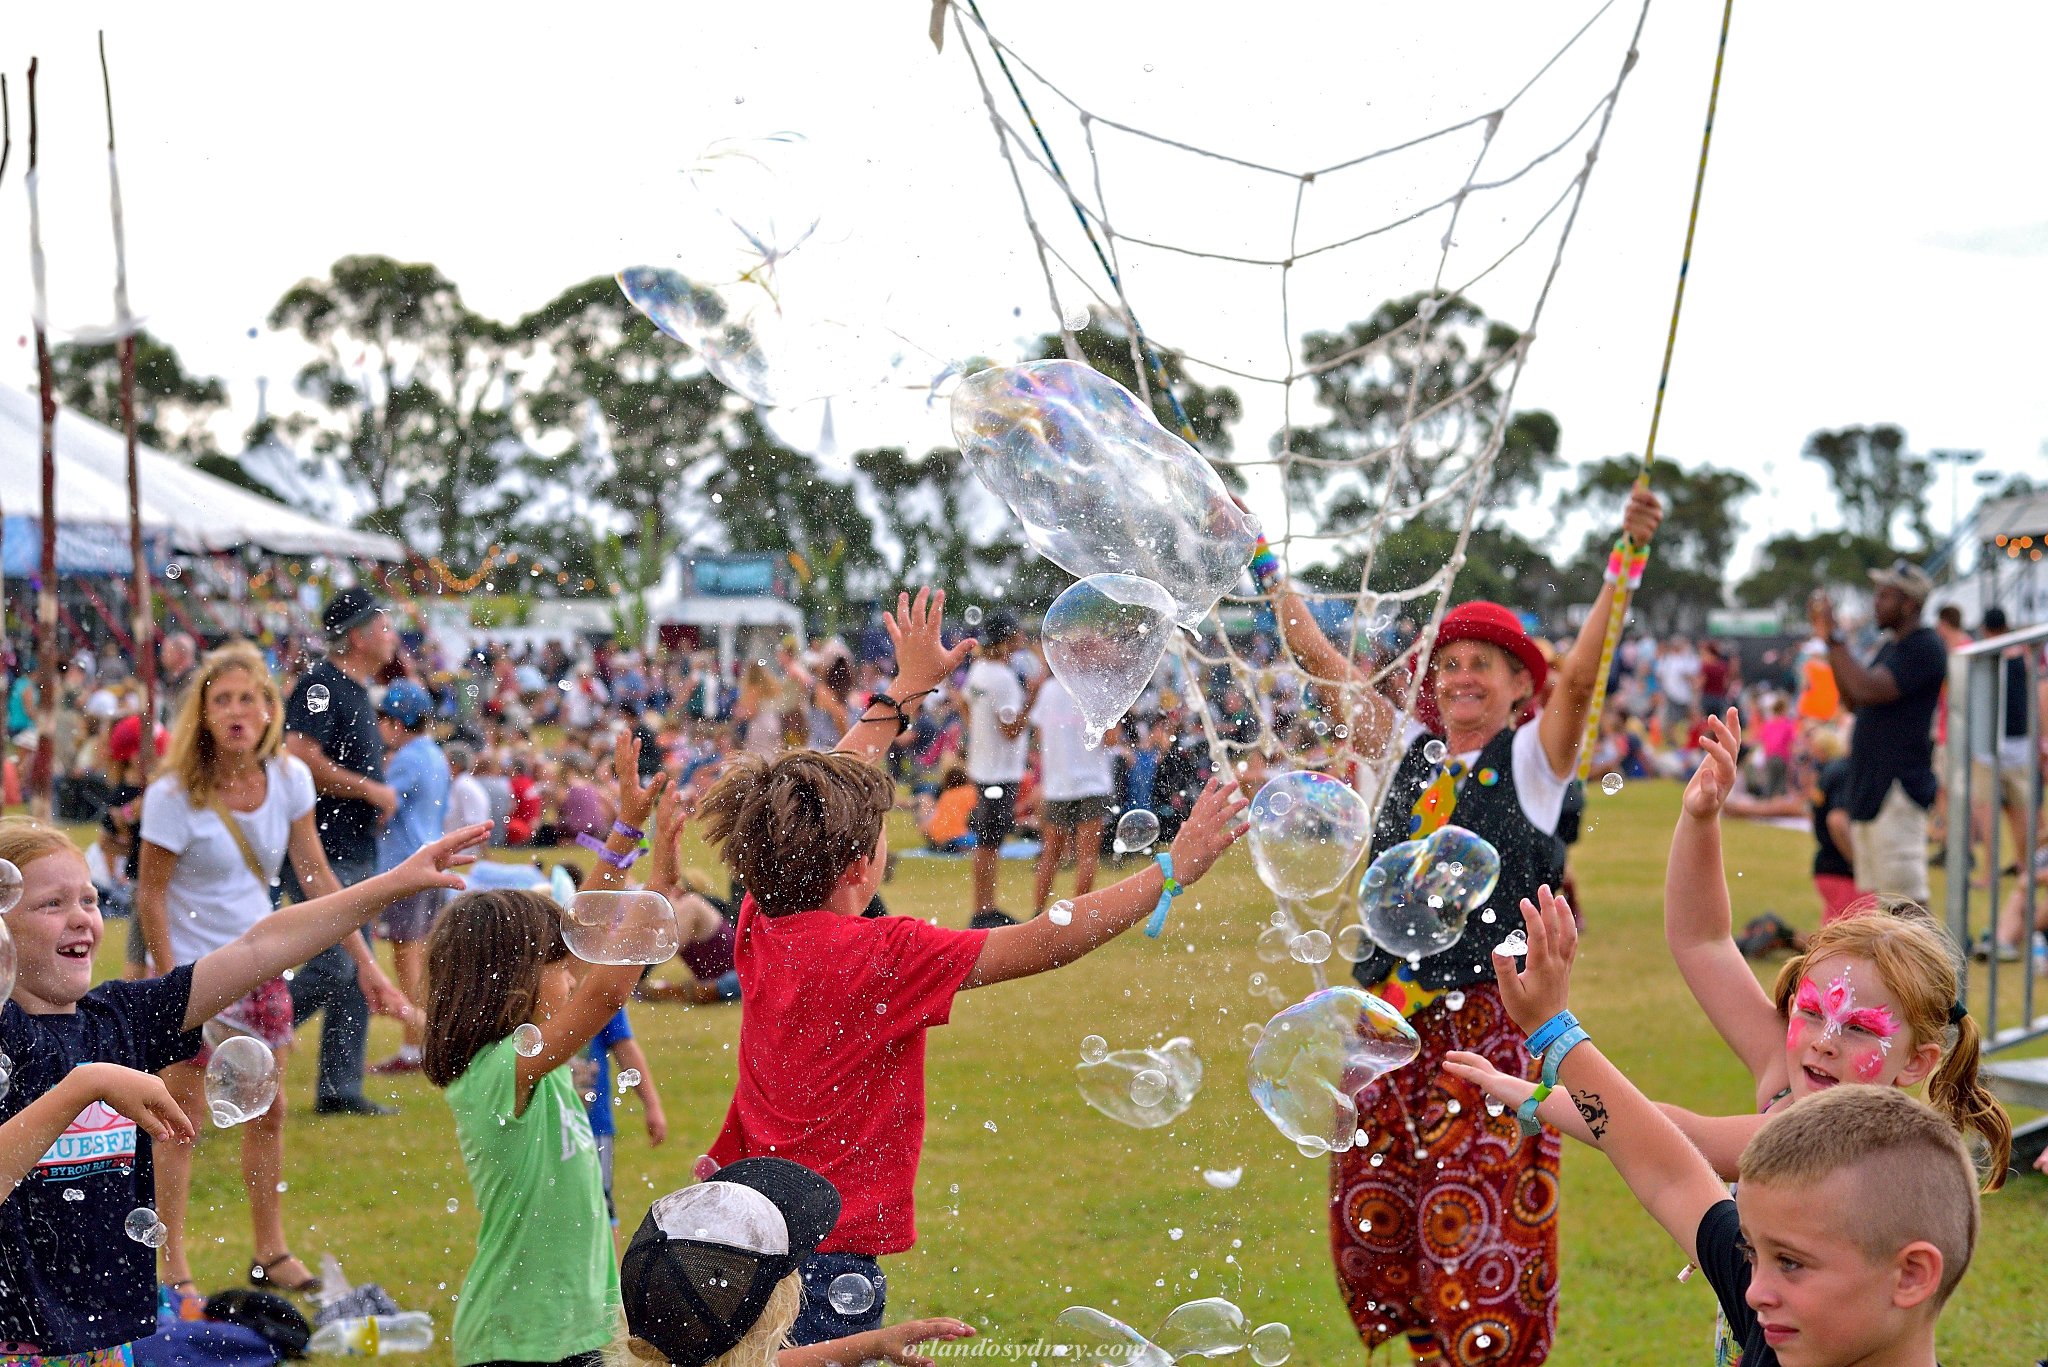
column 42, row 775
column 6, row 154
column 142, row 624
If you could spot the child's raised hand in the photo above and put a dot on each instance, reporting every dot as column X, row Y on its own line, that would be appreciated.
column 635, row 799
column 1211, row 828
column 432, row 865
column 1540, row 987
column 1714, row 780
column 898, row 1342
column 1509, row 1090
column 922, row 658
column 668, row 830
column 142, row 1097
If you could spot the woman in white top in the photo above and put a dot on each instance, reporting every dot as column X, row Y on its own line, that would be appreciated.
column 199, row 887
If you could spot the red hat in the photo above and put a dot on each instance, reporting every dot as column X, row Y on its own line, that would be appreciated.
column 1496, row 626
column 124, row 742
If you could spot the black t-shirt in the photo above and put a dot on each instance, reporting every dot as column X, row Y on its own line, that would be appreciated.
column 71, row 1280
column 346, row 732
column 1893, row 742
column 1721, row 1260
column 1830, row 787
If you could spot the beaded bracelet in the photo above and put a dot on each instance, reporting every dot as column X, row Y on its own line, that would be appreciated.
column 1265, row 565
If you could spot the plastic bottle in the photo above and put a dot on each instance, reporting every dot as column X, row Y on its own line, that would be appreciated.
column 376, row 1335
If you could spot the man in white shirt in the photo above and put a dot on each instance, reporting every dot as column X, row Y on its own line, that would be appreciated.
column 468, row 802
column 998, row 714
column 1678, row 678
column 1076, row 782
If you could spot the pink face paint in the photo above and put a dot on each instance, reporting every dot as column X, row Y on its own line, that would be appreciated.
column 1841, row 1018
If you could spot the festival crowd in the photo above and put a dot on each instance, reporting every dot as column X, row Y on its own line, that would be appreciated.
column 295, row 806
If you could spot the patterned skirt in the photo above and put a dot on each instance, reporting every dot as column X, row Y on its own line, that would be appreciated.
column 1445, row 1222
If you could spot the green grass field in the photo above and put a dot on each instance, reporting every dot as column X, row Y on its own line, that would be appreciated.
column 1029, row 1202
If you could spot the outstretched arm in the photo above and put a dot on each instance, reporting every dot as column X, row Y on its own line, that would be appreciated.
column 1666, row 1173
column 896, row 1343
column 285, row 939
column 1698, row 920
column 922, row 663
column 1037, row 945
column 142, row 1097
column 1563, row 723
column 1338, row 685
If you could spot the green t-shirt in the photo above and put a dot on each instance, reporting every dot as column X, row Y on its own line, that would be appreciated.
column 544, row 1285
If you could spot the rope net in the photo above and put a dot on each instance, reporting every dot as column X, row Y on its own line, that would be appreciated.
column 1423, row 389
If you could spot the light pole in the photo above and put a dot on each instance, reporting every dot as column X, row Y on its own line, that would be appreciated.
column 1955, row 460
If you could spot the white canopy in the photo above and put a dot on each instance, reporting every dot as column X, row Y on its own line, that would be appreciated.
column 196, row 510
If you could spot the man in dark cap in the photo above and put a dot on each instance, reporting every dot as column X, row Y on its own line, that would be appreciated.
column 331, row 725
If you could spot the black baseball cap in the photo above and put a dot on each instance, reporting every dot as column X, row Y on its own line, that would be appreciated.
column 348, row 610
column 705, row 1260
column 998, row 626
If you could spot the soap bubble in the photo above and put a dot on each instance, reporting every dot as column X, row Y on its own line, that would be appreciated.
column 453, row 1205
column 972, row 616
column 851, row 1294
column 1074, row 317
column 1113, row 1083
column 1103, row 638
column 1209, row 1328
column 1060, row 913
column 10, row 886
column 1099, row 485
column 1094, row 1048
column 1435, row 750
column 1610, row 784
column 772, row 190
column 629, row 1078
column 1351, row 944
column 317, row 698
column 1149, row 1088
column 1272, row 1344
column 74, row 1193
column 1223, row 1179
column 1310, row 947
column 1415, row 897
column 7, row 957
column 1305, row 846
column 1515, row 946
column 1137, row 829
column 241, row 1080
column 144, row 1228
column 621, row 928
column 1104, row 1339
column 1251, row 1034
column 1454, row 1000
column 993, row 792
column 526, row 1041
column 1317, row 1055
column 1272, row 943
column 6, row 1076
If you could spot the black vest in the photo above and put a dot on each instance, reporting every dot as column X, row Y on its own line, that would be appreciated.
column 1528, row 859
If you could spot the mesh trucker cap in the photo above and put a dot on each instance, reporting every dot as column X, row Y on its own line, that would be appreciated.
column 703, row 1263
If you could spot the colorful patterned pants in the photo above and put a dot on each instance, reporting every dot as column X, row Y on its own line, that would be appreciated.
column 1444, row 1224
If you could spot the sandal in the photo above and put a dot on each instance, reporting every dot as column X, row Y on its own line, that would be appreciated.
column 260, row 1275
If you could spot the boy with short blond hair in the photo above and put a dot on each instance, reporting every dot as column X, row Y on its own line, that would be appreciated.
column 836, row 1003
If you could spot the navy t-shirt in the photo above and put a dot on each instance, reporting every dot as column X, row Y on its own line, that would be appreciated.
column 1828, row 789
column 1893, row 742
column 346, row 732
column 1718, row 1247
column 71, row 1280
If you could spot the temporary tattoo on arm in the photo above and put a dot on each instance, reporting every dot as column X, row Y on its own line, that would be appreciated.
column 1593, row 1111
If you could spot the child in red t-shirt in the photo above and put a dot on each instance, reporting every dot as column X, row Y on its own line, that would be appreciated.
column 836, row 1003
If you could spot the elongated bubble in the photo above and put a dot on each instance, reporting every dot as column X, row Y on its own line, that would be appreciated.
column 1099, row 485
column 1104, row 637
column 1142, row 1088
column 1316, row 1056
column 1209, row 1328
column 621, row 928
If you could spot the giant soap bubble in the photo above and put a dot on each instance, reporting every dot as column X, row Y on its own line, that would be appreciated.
column 1212, row 1327
column 1099, row 485
column 1316, row 1056
column 1415, row 897
column 1307, row 830
column 1103, row 638
column 241, row 1080
column 1105, row 1339
column 621, row 928
column 1143, row 1088
column 10, row 886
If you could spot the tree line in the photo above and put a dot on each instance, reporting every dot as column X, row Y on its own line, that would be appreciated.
column 583, row 439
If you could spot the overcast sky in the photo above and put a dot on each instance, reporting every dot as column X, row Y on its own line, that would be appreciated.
column 1874, row 245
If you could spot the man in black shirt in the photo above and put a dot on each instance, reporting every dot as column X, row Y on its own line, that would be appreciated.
column 331, row 725
column 1892, row 783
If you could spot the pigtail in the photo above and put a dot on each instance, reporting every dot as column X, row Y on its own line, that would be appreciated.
column 1954, row 1090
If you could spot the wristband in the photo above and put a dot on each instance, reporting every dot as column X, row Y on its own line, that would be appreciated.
column 621, row 862
column 1627, row 561
column 1265, row 566
column 1541, row 1038
column 1525, row 1114
column 1562, row 1045
column 1169, row 889
column 630, row 832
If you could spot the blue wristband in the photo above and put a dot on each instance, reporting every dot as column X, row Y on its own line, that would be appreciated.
column 1559, row 1047
column 1525, row 1114
column 1549, row 1031
column 1170, row 889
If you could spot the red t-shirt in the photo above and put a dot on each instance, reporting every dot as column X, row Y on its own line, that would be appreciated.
column 833, row 1016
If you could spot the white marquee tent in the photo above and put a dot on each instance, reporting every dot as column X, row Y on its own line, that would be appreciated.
column 195, row 511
